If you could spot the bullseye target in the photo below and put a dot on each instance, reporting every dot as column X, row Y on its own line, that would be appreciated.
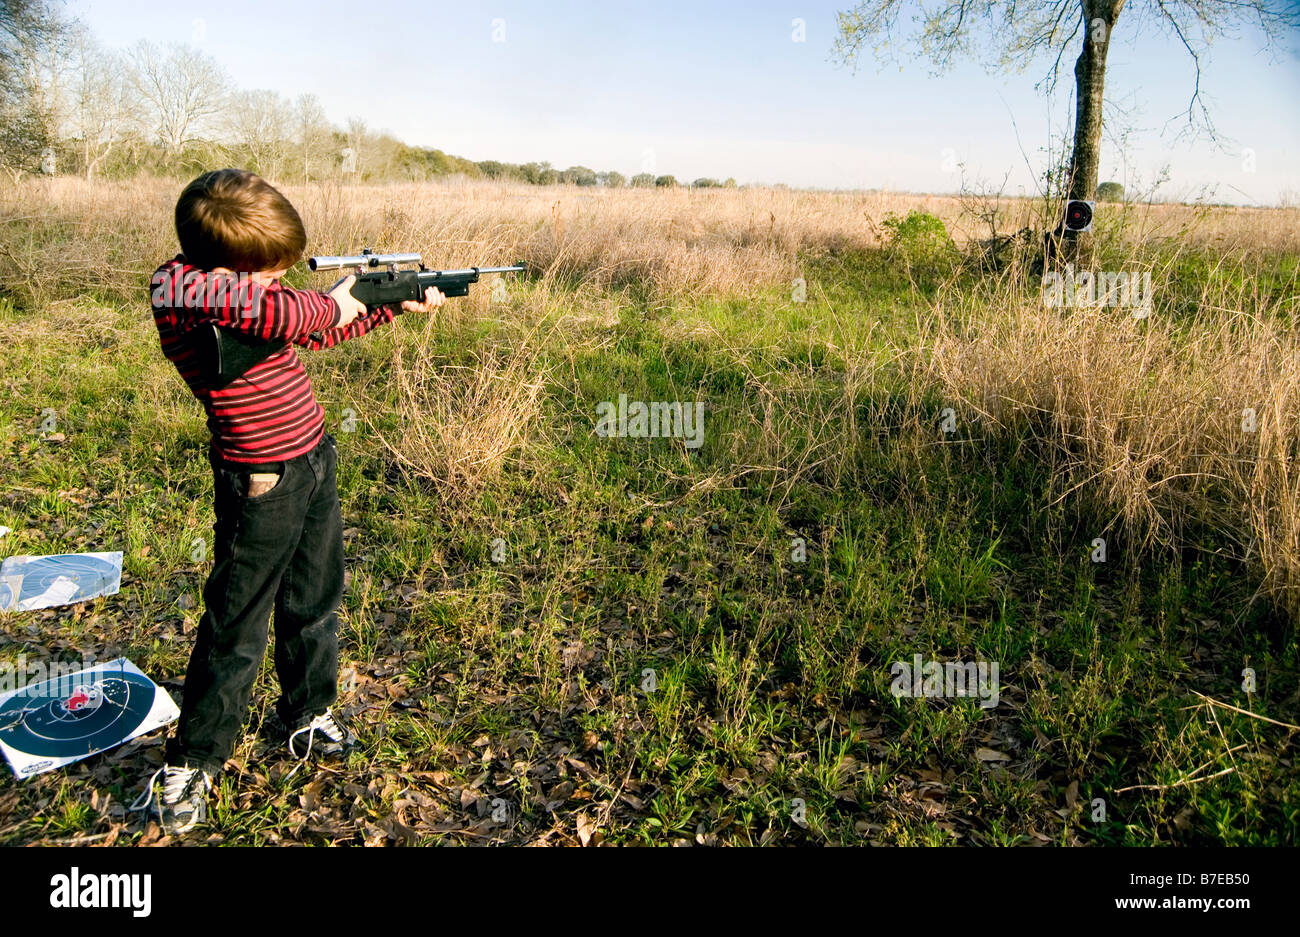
column 58, row 721
column 1078, row 215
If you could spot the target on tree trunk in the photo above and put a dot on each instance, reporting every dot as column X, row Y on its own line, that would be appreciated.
column 1078, row 215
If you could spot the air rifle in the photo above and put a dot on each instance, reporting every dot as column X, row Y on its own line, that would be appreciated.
column 390, row 286
column 226, row 354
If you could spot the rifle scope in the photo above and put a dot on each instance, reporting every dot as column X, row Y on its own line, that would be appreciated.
column 366, row 258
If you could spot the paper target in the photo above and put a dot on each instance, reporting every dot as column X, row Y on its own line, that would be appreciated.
column 1078, row 215
column 55, row 722
column 31, row 582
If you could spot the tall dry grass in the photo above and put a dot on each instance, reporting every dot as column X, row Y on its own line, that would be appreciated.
column 1177, row 438
column 109, row 236
column 456, row 425
column 62, row 235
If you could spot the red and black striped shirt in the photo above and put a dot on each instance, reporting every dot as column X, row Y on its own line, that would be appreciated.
column 270, row 413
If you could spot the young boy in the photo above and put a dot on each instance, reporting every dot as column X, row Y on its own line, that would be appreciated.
column 278, row 533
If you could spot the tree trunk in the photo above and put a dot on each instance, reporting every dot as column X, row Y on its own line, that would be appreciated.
column 1089, row 86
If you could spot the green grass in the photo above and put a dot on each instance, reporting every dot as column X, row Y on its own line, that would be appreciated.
column 525, row 682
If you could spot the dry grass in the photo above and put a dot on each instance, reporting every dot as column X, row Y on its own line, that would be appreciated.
column 1152, row 425
column 457, row 425
column 109, row 236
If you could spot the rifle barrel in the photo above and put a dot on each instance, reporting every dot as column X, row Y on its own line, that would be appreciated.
column 471, row 272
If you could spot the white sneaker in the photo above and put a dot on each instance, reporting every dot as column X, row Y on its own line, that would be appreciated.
column 184, row 800
column 326, row 736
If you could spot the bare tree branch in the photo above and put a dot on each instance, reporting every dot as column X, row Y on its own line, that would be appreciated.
column 184, row 91
column 1054, row 73
column 1163, row 7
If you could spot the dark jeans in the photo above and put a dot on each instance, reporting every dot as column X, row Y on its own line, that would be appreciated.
column 281, row 550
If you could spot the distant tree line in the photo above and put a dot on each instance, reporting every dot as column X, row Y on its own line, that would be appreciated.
column 69, row 105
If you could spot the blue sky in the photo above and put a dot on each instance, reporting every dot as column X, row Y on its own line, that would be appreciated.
column 722, row 89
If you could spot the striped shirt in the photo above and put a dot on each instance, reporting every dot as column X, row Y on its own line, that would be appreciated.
column 270, row 413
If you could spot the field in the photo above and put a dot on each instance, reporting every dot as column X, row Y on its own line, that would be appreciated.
column 552, row 636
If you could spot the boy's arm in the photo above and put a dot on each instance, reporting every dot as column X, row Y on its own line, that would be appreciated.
column 359, row 326
column 280, row 313
column 370, row 319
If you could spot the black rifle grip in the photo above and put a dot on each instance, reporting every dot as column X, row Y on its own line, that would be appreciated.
column 386, row 288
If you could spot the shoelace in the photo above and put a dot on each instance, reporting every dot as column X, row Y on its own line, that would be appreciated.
column 174, row 784
column 325, row 724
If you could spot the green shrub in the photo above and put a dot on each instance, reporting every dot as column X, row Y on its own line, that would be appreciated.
column 920, row 238
column 1110, row 192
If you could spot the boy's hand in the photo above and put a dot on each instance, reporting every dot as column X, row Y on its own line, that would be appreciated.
column 433, row 298
column 349, row 305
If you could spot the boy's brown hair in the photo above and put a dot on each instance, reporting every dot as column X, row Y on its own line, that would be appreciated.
column 236, row 219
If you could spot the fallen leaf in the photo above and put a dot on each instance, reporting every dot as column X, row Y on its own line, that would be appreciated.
column 586, row 829
column 309, row 799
